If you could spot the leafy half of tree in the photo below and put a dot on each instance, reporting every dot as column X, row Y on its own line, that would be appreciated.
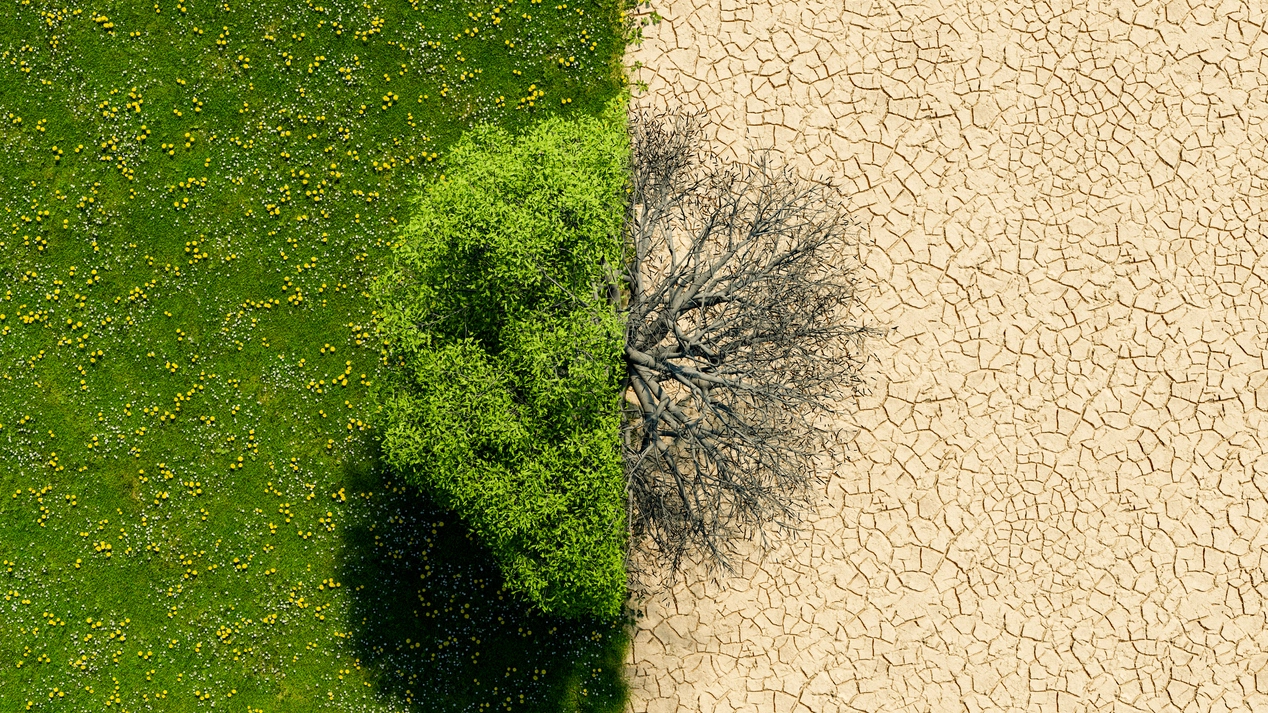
column 505, row 405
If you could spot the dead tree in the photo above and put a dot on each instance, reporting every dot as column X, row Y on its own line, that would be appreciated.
column 737, row 344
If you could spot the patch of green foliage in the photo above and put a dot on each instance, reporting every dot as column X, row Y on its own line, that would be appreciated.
column 506, row 400
column 194, row 196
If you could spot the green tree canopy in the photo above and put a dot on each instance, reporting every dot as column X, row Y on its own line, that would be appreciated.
column 506, row 402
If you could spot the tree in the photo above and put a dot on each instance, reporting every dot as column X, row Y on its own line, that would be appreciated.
column 597, row 325
column 736, row 342
column 505, row 400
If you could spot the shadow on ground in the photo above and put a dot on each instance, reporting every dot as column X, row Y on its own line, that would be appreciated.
column 434, row 627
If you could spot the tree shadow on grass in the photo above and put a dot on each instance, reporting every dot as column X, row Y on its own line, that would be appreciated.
column 431, row 621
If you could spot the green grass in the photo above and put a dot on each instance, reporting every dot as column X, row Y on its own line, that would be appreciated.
column 191, row 217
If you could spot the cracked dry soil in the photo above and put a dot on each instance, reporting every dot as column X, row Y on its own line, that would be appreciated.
column 1059, row 494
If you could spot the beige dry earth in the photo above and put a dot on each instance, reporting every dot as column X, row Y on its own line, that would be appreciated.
column 1059, row 498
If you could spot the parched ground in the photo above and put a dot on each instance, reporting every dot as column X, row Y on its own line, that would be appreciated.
column 1059, row 494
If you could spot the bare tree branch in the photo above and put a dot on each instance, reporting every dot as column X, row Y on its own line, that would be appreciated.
column 736, row 340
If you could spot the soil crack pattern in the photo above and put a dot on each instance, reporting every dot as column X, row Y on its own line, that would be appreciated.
column 1057, row 497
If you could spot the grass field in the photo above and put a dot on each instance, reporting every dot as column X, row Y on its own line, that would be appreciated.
column 192, row 512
